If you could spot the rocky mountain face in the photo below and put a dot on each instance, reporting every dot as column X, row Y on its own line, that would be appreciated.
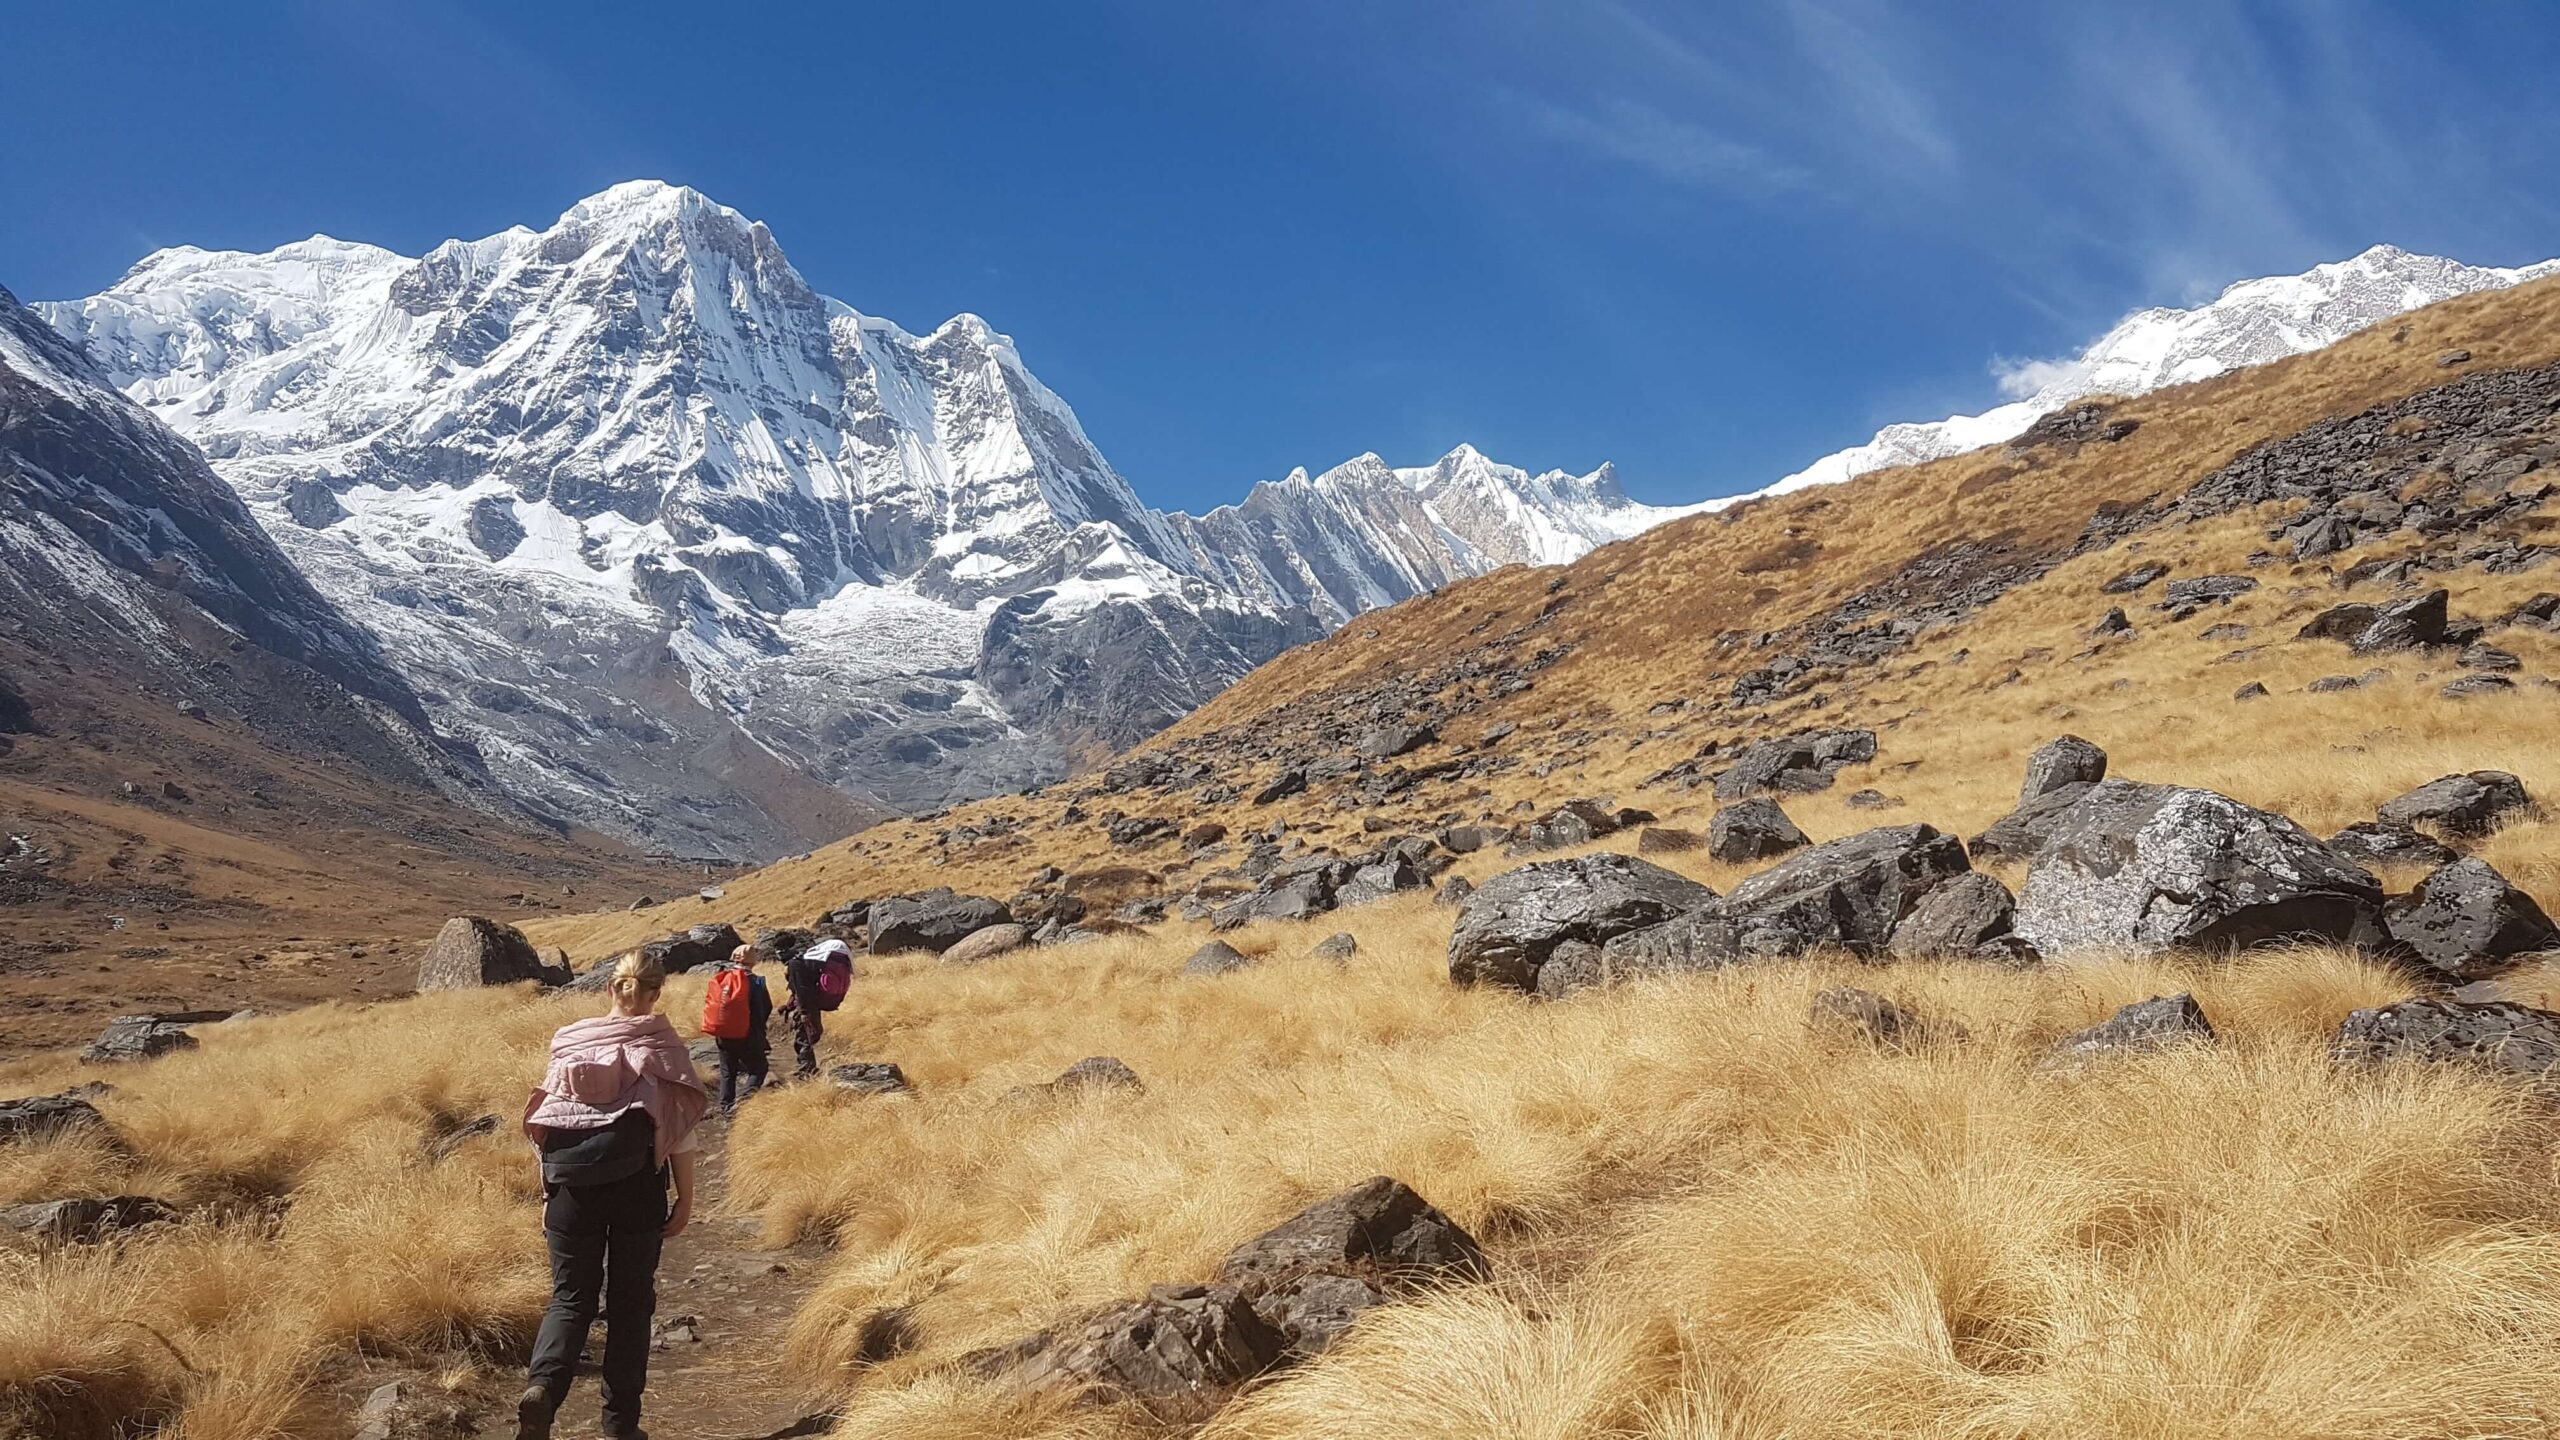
column 130, row 569
column 705, row 559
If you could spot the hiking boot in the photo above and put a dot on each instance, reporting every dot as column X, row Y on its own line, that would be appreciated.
column 533, row 1414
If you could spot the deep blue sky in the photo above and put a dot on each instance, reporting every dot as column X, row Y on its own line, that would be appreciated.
column 1708, row 242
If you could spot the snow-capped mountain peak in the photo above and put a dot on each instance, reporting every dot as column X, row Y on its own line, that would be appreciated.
column 631, row 475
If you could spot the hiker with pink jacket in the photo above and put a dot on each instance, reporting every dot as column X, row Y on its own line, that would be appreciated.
column 614, row 1122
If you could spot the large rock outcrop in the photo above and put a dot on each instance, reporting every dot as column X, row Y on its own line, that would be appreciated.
column 1510, row 925
column 2159, row 867
column 471, row 951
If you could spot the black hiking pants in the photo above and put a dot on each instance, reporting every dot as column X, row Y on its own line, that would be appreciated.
column 744, row 1065
column 604, row 1259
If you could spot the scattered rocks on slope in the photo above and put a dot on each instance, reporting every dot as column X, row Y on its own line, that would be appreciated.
column 2460, row 806
column 1850, row 892
column 2465, row 922
column 988, row 943
column 2154, row 1024
column 2374, row 842
column 1509, row 926
column 2154, row 867
column 1954, row 917
column 934, row 920
column 471, row 951
column 2065, row 760
column 2513, row 1039
column 1749, row 830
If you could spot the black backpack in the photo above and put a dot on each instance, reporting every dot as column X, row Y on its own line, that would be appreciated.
column 600, row 1157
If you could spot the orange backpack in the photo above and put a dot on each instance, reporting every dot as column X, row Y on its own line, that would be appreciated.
column 724, row 1004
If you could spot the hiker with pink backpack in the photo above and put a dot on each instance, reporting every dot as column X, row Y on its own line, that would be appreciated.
column 816, row 981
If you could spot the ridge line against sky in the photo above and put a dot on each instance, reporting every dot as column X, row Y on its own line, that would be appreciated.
column 1709, row 245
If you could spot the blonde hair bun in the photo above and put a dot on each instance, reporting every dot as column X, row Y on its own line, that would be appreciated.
column 638, row 974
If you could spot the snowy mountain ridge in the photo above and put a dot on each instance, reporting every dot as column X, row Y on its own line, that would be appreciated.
column 2250, row 323
column 695, row 555
column 627, row 492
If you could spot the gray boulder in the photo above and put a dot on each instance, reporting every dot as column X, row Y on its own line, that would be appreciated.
column 1755, row 829
column 2022, row 832
column 87, row 1219
column 2156, row 867
column 1865, row 1015
column 2406, row 625
column 696, row 948
column 37, row 1116
column 2065, row 760
column 1509, row 926
column 933, row 920
column 1098, row 1072
column 1575, row 965
column 129, row 1038
column 2465, row 922
column 1215, row 958
column 1182, row 1342
column 987, row 944
column 1389, row 741
column 1297, row 892
column 1455, row 893
column 2373, row 842
column 1850, row 892
column 2145, row 1025
column 471, row 951
column 1704, row 937
column 1954, row 917
column 1576, row 822
column 2460, row 805
column 1794, row 764
column 1341, row 946
column 871, row 1077
column 1380, row 1224
column 2511, row 1039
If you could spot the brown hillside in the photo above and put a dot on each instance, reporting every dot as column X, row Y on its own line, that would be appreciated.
column 1648, row 636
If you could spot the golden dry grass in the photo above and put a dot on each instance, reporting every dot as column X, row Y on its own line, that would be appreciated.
column 1708, row 1218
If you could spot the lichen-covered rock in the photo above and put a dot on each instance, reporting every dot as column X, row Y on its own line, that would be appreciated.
column 1181, row 1342
column 2372, row 842
column 2064, row 760
column 1954, row 918
column 2022, row 832
column 471, row 951
column 2153, row 1024
column 933, row 920
column 1794, row 764
column 1380, row 1223
column 2460, row 806
column 2464, row 922
column 37, row 1116
column 2157, row 867
column 1754, row 829
column 2513, row 1039
column 1507, row 928
column 1850, row 892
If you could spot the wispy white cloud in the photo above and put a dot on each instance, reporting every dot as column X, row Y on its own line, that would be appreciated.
column 1636, row 134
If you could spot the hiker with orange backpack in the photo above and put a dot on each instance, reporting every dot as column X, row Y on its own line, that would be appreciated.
column 818, row 980
column 735, row 1007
